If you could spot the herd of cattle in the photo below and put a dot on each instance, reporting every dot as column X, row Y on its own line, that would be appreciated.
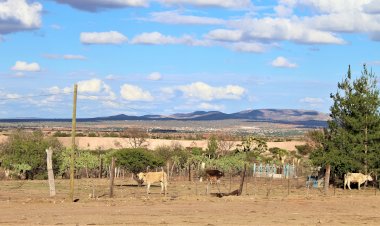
column 213, row 176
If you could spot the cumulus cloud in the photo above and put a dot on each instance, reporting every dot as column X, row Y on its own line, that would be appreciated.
column 19, row 15
column 313, row 102
column 155, row 76
column 98, row 5
column 210, row 107
column 225, row 35
column 373, row 7
column 24, row 66
column 156, row 38
column 283, row 62
column 95, row 89
column 134, row 93
column 203, row 91
column 233, row 4
column 174, row 17
column 110, row 37
column 283, row 29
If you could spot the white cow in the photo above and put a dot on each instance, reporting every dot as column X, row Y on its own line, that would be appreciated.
column 356, row 178
column 153, row 177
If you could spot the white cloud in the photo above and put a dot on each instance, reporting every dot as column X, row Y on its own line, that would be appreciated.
column 203, row 91
column 156, row 38
column 283, row 62
column 90, row 86
column 372, row 7
column 233, row 4
column 283, row 29
column 225, row 35
column 24, row 66
column 97, row 5
column 174, row 17
column 248, row 47
column 110, row 37
column 18, row 15
column 155, row 76
column 134, row 93
column 74, row 57
column 208, row 106
column 313, row 102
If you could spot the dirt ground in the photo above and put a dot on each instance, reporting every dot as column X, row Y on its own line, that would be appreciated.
column 263, row 202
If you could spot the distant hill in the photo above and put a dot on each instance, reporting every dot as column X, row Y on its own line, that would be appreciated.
column 306, row 118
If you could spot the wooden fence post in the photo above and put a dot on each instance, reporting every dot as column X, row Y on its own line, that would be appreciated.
column 112, row 176
column 49, row 153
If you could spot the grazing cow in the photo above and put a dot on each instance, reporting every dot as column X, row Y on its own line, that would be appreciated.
column 213, row 176
column 153, row 177
column 356, row 178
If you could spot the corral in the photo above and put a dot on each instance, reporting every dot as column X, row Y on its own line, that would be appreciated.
column 263, row 202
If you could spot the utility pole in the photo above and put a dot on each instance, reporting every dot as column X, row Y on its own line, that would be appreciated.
column 73, row 133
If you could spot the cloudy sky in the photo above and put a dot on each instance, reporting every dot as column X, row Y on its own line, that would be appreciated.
column 140, row 57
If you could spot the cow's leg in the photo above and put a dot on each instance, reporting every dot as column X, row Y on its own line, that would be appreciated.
column 348, row 185
column 162, row 187
column 345, row 184
column 359, row 185
column 148, row 188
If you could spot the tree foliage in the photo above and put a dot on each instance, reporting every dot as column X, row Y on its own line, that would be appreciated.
column 27, row 151
column 137, row 160
column 351, row 142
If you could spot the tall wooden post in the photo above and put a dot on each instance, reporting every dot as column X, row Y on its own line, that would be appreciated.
column 49, row 162
column 112, row 176
column 73, row 132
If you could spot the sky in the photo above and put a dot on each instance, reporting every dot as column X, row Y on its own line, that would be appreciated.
column 140, row 57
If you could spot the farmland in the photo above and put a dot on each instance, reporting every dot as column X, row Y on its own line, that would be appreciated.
column 28, row 203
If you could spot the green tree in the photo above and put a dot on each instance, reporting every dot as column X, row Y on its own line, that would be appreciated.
column 355, row 120
column 351, row 142
column 253, row 147
column 212, row 147
column 137, row 159
column 26, row 151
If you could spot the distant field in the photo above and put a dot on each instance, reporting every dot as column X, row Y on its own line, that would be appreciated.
column 94, row 143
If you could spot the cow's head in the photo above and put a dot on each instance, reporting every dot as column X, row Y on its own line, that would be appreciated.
column 369, row 178
column 221, row 174
column 141, row 176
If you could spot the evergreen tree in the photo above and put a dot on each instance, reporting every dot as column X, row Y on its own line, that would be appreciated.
column 351, row 141
column 355, row 122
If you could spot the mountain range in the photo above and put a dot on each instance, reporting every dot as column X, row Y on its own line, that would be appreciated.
column 307, row 118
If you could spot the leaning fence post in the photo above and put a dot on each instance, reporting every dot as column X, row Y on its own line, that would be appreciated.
column 49, row 153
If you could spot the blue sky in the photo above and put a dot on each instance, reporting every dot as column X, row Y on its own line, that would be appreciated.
column 140, row 57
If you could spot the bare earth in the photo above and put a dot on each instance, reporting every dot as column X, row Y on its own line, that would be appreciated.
column 28, row 203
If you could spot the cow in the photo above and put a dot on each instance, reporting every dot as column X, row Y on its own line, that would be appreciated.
column 356, row 178
column 213, row 175
column 153, row 177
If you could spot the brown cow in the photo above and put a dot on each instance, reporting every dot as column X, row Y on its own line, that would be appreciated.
column 356, row 178
column 213, row 175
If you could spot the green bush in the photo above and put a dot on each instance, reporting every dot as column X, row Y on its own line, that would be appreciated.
column 137, row 159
